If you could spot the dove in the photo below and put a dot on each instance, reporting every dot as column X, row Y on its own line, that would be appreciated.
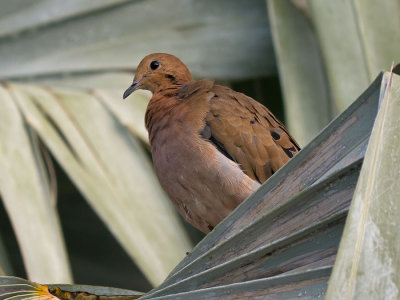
column 212, row 147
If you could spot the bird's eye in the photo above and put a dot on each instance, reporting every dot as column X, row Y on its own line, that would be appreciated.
column 154, row 64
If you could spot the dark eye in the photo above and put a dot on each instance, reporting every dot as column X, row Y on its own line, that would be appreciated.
column 154, row 64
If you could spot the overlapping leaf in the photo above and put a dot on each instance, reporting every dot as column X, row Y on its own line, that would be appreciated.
column 77, row 41
column 368, row 261
column 25, row 193
column 301, row 71
column 328, row 52
column 109, row 167
column 355, row 43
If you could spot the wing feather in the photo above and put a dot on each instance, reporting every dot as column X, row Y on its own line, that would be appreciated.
column 249, row 133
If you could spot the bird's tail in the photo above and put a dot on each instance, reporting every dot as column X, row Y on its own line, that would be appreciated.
column 13, row 288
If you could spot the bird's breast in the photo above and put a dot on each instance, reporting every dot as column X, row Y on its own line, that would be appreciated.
column 204, row 185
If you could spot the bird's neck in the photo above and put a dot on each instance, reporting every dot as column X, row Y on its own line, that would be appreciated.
column 177, row 110
column 169, row 87
column 159, row 110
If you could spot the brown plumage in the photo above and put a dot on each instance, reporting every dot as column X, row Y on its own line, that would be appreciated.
column 212, row 147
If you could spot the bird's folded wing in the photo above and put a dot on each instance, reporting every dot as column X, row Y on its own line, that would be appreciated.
column 248, row 133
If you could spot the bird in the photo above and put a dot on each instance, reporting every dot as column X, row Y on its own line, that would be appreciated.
column 212, row 147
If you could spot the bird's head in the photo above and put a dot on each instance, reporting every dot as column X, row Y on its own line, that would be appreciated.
column 158, row 71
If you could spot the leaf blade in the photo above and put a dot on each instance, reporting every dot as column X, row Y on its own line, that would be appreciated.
column 301, row 71
column 111, row 170
column 27, row 200
column 368, row 256
column 334, row 153
column 90, row 43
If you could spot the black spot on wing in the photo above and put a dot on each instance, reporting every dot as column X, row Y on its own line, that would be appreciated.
column 289, row 151
column 290, row 138
column 275, row 135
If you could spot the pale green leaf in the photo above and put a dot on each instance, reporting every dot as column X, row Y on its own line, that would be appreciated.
column 109, row 87
column 379, row 23
column 111, row 170
column 301, row 71
column 17, row 15
column 130, row 111
column 368, row 262
column 218, row 39
column 108, row 80
column 26, row 196
column 356, row 43
column 342, row 49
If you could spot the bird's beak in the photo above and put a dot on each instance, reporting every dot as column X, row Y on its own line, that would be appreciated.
column 131, row 89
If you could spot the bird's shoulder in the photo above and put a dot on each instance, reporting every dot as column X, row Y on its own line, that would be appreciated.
column 195, row 88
